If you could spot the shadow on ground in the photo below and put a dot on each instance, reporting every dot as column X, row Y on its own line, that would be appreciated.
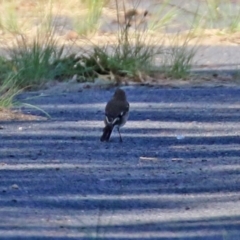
column 175, row 176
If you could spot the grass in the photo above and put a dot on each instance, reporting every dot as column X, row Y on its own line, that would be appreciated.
column 234, row 19
column 9, row 19
column 31, row 61
column 34, row 58
column 8, row 91
column 223, row 12
column 88, row 22
column 177, row 60
column 167, row 16
column 219, row 15
column 132, row 53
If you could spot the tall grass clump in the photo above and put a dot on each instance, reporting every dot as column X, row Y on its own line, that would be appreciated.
column 88, row 21
column 178, row 57
column 130, row 54
column 31, row 59
column 8, row 90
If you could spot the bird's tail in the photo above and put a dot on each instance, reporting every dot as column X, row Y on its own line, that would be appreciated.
column 107, row 130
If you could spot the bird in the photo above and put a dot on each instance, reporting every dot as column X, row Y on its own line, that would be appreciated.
column 116, row 114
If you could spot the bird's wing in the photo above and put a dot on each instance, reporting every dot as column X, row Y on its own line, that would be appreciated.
column 115, row 110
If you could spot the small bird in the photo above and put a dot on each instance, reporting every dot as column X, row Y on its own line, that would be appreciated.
column 116, row 114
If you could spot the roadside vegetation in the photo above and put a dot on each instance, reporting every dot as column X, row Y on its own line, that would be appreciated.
column 50, row 40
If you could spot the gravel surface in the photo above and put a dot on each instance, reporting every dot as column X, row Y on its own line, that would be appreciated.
column 175, row 176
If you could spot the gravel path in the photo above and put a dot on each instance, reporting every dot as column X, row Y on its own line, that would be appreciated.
column 175, row 176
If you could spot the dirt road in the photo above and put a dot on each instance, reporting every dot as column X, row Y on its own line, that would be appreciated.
column 175, row 176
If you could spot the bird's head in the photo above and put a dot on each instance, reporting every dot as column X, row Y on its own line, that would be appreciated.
column 119, row 95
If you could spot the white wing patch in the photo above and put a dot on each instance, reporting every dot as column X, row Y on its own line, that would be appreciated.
column 115, row 120
column 111, row 120
column 107, row 120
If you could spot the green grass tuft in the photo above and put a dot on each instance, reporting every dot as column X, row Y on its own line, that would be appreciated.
column 8, row 90
column 178, row 60
column 31, row 60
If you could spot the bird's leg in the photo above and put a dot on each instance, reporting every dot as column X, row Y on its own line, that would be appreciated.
column 119, row 134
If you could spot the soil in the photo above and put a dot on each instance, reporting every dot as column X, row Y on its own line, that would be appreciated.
column 13, row 115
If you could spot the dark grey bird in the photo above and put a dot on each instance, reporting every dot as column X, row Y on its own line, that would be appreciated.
column 116, row 114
